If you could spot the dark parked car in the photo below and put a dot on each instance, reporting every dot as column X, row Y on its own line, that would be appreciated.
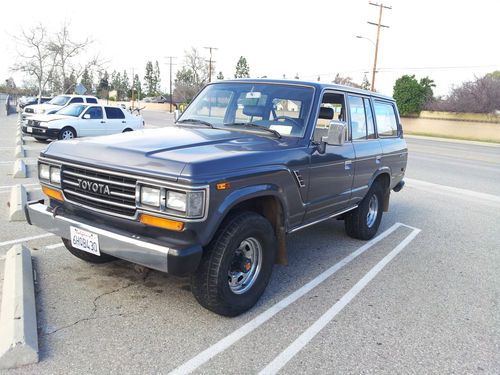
column 214, row 196
column 33, row 100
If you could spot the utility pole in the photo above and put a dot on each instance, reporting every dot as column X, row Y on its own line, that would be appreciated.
column 133, row 81
column 379, row 25
column 170, row 80
column 210, row 63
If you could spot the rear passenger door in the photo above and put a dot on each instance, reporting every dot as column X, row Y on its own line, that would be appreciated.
column 366, row 145
column 394, row 149
column 116, row 121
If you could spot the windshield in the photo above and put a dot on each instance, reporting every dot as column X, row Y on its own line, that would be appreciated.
column 280, row 108
column 74, row 110
column 59, row 100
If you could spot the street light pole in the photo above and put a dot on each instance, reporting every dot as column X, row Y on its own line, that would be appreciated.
column 379, row 25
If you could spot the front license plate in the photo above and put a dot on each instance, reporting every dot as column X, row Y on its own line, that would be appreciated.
column 29, row 129
column 85, row 240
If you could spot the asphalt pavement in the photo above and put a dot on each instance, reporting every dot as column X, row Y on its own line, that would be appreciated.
column 420, row 298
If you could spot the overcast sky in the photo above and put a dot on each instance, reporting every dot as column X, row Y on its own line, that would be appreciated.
column 450, row 41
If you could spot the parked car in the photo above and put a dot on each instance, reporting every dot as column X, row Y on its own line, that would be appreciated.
column 156, row 99
column 55, row 104
column 248, row 162
column 23, row 102
column 82, row 120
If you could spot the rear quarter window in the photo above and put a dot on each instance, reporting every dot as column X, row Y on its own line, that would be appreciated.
column 92, row 100
column 385, row 116
column 114, row 113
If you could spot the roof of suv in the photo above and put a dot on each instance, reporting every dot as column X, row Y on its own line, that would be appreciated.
column 315, row 84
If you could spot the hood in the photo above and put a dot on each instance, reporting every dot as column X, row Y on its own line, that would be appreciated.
column 44, row 106
column 48, row 118
column 172, row 152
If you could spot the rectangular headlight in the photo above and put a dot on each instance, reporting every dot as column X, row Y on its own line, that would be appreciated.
column 150, row 196
column 55, row 175
column 176, row 200
column 44, row 172
column 195, row 203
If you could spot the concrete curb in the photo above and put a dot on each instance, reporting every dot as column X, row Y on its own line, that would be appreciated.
column 20, row 169
column 18, row 327
column 19, row 153
column 20, row 141
column 18, row 199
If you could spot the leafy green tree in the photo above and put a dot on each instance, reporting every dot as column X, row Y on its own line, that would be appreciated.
column 103, row 86
column 242, row 68
column 411, row 95
column 157, row 78
column 494, row 75
column 124, row 86
column 365, row 85
column 87, row 80
column 149, row 80
column 136, row 84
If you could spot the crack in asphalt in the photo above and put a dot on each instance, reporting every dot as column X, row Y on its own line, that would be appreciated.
column 94, row 311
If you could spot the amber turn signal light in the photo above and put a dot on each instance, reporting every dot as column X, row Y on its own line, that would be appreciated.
column 52, row 193
column 223, row 186
column 160, row 222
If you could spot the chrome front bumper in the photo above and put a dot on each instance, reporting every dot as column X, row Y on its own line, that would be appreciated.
column 118, row 245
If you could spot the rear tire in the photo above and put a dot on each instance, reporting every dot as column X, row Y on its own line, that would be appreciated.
column 363, row 222
column 91, row 258
column 236, row 267
column 67, row 133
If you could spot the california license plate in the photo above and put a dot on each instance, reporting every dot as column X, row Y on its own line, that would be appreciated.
column 29, row 129
column 85, row 240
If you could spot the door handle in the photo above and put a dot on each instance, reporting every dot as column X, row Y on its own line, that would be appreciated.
column 102, row 122
column 348, row 164
column 123, row 122
column 378, row 158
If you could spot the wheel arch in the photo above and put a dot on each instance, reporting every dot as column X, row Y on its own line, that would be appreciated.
column 268, row 203
column 383, row 176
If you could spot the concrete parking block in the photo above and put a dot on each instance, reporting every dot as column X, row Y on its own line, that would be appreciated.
column 19, row 153
column 18, row 327
column 18, row 199
column 20, row 170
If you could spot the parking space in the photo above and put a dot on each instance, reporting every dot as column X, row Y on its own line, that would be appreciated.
column 421, row 297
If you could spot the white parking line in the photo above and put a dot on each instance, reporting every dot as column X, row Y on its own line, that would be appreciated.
column 25, row 239
column 286, row 355
column 54, row 246
column 463, row 192
column 260, row 319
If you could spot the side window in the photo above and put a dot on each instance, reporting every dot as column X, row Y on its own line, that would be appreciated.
column 369, row 119
column 92, row 100
column 358, row 117
column 94, row 112
column 114, row 113
column 331, row 108
column 76, row 100
column 386, row 119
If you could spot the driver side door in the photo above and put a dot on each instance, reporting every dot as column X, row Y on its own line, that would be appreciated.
column 92, row 122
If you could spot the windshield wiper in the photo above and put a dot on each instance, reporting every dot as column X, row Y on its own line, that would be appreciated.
column 254, row 126
column 195, row 121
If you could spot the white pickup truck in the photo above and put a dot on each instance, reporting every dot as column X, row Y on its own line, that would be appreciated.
column 55, row 104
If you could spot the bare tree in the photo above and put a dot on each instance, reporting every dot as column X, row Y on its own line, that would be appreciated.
column 67, row 51
column 36, row 57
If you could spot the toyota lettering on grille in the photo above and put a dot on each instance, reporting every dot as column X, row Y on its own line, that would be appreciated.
column 94, row 186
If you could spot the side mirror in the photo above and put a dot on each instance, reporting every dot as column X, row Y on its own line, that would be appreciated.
column 337, row 133
column 176, row 115
column 86, row 116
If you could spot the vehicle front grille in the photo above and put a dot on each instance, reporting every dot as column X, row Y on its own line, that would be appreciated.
column 29, row 110
column 99, row 190
column 33, row 123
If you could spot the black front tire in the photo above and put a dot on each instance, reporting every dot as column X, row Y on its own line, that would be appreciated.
column 210, row 284
column 91, row 258
column 357, row 222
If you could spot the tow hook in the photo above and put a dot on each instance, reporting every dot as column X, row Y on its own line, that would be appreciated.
column 399, row 186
